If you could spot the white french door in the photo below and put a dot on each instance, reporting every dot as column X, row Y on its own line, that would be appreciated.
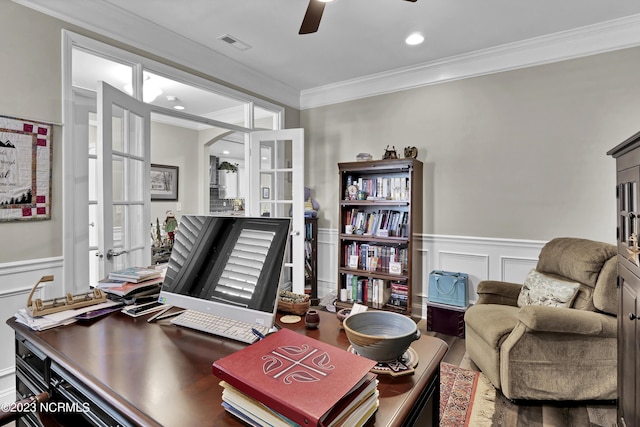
column 276, row 178
column 123, row 169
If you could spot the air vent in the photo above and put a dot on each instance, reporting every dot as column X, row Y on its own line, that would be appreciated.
column 233, row 41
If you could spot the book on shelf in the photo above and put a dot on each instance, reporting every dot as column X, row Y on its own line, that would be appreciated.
column 299, row 379
column 135, row 274
column 385, row 188
column 380, row 223
column 373, row 257
column 367, row 290
column 399, row 294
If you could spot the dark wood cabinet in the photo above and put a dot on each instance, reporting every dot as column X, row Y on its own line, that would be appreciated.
column 380, row 212
column 627, row 155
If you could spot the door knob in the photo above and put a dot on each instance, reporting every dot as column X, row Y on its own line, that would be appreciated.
column 632, row 316
column 111, row 253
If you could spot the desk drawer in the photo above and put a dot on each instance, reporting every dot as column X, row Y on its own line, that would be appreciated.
column 32, row 362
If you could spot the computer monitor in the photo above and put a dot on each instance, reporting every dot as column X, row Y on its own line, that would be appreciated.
column 229, row 266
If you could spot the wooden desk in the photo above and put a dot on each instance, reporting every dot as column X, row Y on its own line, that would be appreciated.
column 136, row 373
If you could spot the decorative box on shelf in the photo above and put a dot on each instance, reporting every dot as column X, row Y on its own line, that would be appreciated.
column 446, row 319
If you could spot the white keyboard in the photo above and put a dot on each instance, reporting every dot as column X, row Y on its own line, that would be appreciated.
column 221, row 326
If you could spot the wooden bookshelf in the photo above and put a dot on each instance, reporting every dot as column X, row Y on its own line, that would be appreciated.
column 376, row 232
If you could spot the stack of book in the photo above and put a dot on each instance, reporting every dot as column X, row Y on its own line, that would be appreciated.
column 133, row 280
column 289, row 379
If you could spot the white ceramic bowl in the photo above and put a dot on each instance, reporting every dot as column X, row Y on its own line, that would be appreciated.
column 382, row 336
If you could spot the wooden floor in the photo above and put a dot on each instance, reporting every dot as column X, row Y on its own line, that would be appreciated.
column 534, row 414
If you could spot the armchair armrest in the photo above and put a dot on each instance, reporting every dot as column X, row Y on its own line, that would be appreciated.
column 496, row 292
column 568, row 320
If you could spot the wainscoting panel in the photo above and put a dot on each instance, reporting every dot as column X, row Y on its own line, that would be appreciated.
column 481, row 258
column 16, row 281
column 515, row 269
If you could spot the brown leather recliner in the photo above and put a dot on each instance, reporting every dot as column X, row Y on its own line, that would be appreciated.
column 539, row 352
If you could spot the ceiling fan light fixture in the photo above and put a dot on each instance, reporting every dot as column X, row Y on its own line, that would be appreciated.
column 414, row 39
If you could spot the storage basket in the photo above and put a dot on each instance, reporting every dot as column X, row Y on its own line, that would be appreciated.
column 290, row 302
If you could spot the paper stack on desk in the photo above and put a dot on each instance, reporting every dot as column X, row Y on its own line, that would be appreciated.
column 290, row 379
column 40, row 323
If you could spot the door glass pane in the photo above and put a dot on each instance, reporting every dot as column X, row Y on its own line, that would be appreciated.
column 93, row 184
column 136, row 218
column 134, row 180
column 119, row 212
column 161, row 91
column 93, row 226
column 283, row 187
column 135, row 146
column 117, row 166
column 283, row 209
column 266, row 209
column 87, row 69
column 117, row 129
column 266, row 186
column 93, row 134
column 265, row 119
column 267, row 155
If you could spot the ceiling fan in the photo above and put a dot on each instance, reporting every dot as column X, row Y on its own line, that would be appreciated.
column 312, row 17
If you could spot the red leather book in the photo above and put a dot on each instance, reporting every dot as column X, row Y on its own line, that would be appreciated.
column 297, row 376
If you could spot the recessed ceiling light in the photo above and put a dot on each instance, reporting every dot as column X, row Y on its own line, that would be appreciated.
column 178, row 107
column 225, row 152
column 414, row 39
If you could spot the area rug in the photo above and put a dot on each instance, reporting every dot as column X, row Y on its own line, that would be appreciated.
column 457, row 390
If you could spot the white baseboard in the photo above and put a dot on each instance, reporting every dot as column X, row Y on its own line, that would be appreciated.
column 482, row 258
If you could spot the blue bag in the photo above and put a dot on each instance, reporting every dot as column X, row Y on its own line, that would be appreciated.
column 446, row 287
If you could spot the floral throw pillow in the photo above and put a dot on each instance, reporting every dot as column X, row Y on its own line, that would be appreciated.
column 539, row 289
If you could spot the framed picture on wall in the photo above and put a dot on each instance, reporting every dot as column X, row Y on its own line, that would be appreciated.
column 25, row 169
column 164, row 182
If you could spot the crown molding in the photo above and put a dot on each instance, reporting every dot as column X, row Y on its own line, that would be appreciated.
column 105, row 19
column 110, row 21
column 590, row 40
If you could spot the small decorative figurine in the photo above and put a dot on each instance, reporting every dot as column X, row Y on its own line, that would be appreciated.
column 390, row 154
column 410, row 152
column 170, row 226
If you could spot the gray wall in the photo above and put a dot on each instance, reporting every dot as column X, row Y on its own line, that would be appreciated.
column 518, row 154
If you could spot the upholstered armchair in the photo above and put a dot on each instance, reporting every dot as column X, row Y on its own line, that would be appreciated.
column 554, row 346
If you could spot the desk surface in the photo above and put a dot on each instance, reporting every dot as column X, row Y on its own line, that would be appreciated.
column 160, row 374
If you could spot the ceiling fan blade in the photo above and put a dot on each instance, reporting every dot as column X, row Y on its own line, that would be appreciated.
column 312, row 17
